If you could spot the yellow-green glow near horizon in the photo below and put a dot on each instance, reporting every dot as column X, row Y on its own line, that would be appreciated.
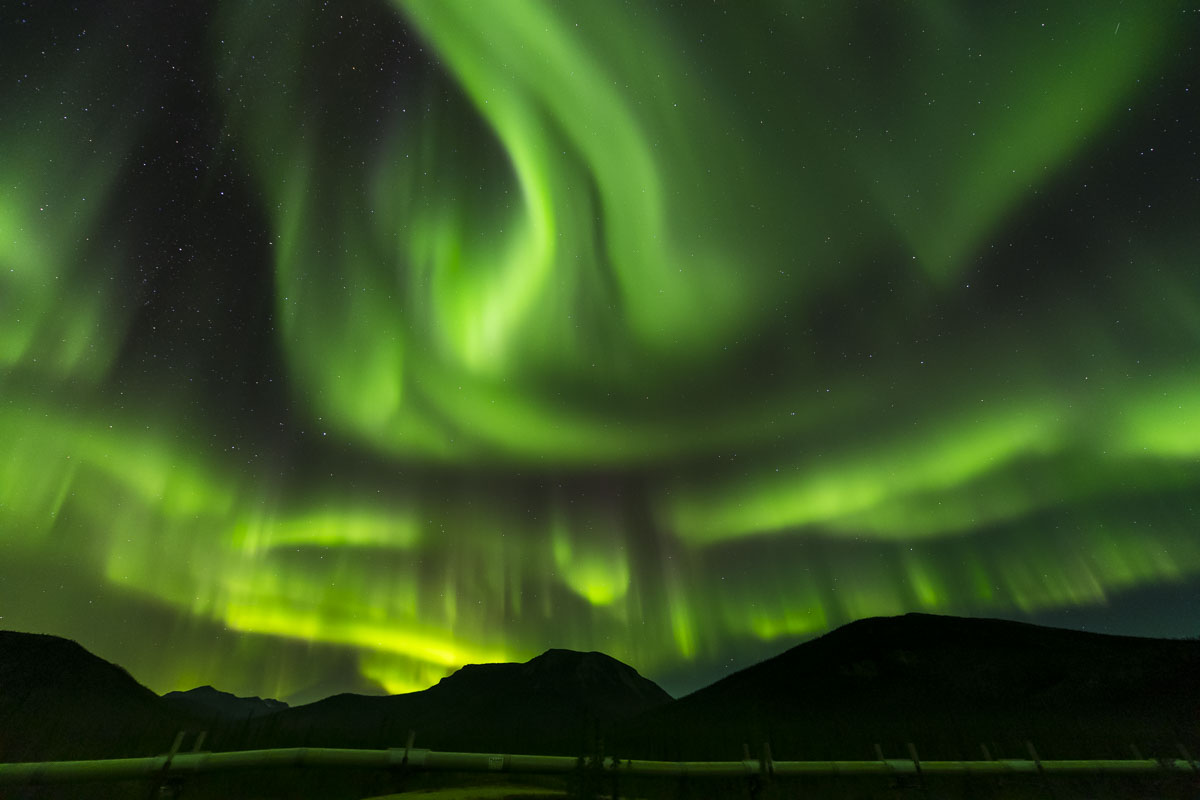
column 671, row 333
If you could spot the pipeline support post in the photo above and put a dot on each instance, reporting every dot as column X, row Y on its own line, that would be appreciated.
column 894, row 780
column 1183, row 751
column 398, row 761
column 754, row 783
column 912, row 753
column 1037, row 761
column 170, row 786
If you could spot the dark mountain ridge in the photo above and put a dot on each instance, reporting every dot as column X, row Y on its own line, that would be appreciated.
column 206, row 702
column 947, row 684
column 58, row 701
column 603, row 685
column 952, row 683
column 558, row 702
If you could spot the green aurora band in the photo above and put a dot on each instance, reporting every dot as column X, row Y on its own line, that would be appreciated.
column 664, row 334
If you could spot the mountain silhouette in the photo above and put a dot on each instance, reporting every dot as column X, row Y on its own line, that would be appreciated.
column 58, row 701
column 558, row 702
column 349, row 680
column 205, row 702
column 947, row 683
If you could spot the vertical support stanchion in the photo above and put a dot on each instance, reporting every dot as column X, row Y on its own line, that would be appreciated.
column 767, row 767
column 894, row 780
column 175, row 745
column 1183, row 751
column 598, row 761
column 408, row 744
column 1137, row 754
column 912, row 753
column 1033, row 754
column 753, row 779
column 168, row 787
column 398, row 763
column 890, row 775
column 199, row 741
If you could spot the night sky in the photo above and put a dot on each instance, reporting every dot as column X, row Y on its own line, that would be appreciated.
column 346, row 343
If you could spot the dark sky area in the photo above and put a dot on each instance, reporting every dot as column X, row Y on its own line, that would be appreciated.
column 346, row 343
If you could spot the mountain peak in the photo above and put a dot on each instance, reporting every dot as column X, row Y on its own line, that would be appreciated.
column 603, row 684
column 29, row 646
column 892, row 677
column 562, row 652
column 47, row 682
column 581, row 665
column 36, row 659
column 561, row 657
column 209, row 702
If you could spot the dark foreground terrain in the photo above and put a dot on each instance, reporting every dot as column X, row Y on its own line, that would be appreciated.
column 951, row 686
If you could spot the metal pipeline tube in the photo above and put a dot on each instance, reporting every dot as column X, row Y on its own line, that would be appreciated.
column 182, row 764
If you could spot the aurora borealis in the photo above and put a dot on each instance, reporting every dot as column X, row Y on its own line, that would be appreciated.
column 345, row 343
